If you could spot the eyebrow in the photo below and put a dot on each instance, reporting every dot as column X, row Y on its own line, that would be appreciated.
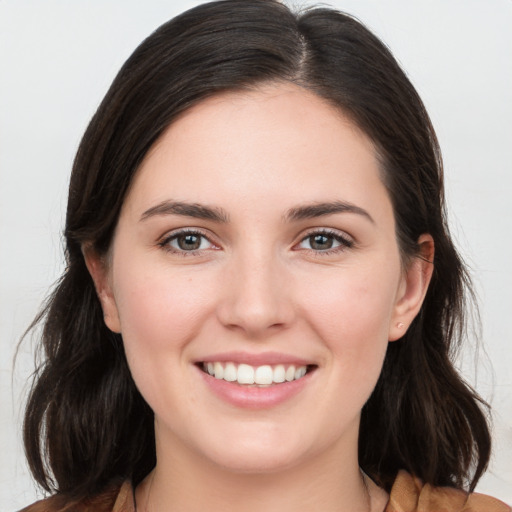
column 310, row 211
column 195, row 210
column 216, row 214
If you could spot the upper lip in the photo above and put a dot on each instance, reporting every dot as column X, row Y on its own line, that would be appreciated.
column 253, row 359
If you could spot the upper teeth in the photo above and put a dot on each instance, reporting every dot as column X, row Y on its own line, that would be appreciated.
column 246, row 374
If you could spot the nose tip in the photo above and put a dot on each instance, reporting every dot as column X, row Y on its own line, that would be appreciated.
column 256, row 301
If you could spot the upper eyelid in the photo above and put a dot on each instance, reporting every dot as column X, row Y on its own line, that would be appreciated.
column 327, row 231
column 179, row 231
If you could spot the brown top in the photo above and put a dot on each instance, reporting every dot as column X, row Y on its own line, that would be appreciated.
column 407, row 495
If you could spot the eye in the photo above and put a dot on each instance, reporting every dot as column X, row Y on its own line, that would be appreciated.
column 187, row 241
column 325, row 241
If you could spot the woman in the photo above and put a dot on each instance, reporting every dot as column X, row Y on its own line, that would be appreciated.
column 261, row 292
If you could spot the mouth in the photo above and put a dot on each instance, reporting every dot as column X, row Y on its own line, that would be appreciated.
column 255, row 376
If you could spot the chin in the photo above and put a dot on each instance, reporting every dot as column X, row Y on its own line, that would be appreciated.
column 258, row 450
column 257, row 462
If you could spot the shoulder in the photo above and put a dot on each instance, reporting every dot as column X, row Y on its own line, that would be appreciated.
column 409, row 494
column 116, row 499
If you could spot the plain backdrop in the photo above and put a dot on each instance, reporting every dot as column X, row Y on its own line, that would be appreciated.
column 57, row 59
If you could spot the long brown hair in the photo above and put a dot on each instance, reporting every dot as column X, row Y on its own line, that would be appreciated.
column 86, row 424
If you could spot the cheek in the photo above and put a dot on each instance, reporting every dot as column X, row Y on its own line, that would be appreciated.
column 355, row 304
column 160, row 313
column 159, row 310
column 352, row 316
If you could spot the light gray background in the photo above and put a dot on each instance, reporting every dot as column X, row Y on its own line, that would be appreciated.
column 57, row 59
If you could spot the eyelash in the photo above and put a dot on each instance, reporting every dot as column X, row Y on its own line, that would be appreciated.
column 165, row 242
column 344, row 242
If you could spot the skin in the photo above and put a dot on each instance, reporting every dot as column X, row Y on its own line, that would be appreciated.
column 258, row 284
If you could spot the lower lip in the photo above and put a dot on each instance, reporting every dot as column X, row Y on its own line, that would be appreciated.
column 255, row 397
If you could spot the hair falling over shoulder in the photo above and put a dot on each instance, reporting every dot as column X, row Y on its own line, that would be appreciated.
column 86, row 425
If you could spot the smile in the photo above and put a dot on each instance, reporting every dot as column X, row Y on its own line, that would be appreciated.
column 264, row 375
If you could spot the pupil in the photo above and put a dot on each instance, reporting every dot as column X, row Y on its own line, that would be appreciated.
column 321, row 242
column 189, row 242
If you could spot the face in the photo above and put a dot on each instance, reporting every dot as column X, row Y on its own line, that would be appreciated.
column 256, row 280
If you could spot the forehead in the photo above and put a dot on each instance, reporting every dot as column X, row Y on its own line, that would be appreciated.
column 257, row 144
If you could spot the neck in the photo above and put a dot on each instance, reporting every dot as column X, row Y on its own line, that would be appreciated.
column 184, row 481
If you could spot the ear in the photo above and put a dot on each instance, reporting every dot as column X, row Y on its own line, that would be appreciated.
column 413, row 288
column 99, row 270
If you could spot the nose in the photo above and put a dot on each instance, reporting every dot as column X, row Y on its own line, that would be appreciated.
column 257, row 296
